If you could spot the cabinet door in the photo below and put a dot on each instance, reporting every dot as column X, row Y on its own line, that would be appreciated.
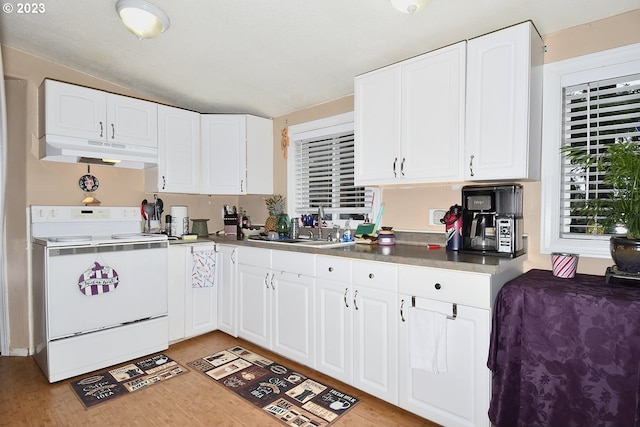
column 377, row 126
column 375, row 343
column 178, row 169
column 293, row 315
column 223, row 154
column 334, row 325
column 132, row 121
column 458, row 397
column 433, row 90
column 255, row 287
column 498, row 128
column 201, row 303
column 226, row 271
column 259, row 155
column 75, row 111
column 178, row 273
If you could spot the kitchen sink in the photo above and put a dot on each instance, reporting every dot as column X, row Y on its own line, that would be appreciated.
column 310, row 243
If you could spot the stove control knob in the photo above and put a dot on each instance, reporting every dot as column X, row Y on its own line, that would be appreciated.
column 54, row 213
column 42, row 213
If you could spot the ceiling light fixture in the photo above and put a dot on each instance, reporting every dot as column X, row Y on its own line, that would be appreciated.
column 408, row 6
column 142, row 18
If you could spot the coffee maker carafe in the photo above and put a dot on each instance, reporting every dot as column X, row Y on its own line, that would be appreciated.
column 492, row 219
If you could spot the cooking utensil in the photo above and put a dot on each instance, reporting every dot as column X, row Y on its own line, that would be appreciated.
column 379, row 216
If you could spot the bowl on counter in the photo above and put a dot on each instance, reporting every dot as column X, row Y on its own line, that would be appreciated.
column 253, row 231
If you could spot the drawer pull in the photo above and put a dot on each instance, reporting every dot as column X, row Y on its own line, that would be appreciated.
column 371, row 276
column 438, row 286
column 330, row 269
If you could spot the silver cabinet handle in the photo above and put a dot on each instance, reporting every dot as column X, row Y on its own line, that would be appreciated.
column 346, row 304
column 355, row 294
column 266, row 280
column 101, row 130
column 402, row 166
column 272, row 287
column 395, row 160
column 241, row 185
column 113, row 131
column 402, row 311
column 164, row 182
column 233, row 256
column 471, row 165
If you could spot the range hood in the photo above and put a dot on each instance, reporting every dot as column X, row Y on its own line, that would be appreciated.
column 77, row 150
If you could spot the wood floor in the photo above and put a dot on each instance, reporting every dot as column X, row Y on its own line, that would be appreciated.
column 27, row 398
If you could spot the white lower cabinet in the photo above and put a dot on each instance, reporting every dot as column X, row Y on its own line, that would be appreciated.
column 192, row 309
column 226, row 270
column 458, row 397
column 177, row 271
column 334, row 318
column 201, row 302
column 275, row 301
column 375, row 329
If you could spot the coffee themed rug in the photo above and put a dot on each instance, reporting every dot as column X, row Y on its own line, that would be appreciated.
column 290, row 397
column 107, row 385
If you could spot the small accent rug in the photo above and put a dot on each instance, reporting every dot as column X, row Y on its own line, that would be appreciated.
column 292, row 398
column 108, row 385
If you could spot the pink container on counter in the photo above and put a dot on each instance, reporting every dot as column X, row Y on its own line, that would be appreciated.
column 564, row 265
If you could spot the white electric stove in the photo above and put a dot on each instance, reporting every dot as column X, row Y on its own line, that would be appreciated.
column 99, row 288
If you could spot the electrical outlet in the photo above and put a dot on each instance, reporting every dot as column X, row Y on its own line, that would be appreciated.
column 435, row 215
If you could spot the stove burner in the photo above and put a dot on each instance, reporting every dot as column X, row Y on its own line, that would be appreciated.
column 70, row 239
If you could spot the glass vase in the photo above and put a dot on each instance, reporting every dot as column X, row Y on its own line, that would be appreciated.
column 282, row 226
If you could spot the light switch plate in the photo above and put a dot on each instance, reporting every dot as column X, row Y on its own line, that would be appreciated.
column 435, row 215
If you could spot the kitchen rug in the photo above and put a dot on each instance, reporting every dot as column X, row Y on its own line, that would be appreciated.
column 292, row 398
column 108, row 385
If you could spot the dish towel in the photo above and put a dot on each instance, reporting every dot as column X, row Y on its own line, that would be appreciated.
column 203, row 270
column 427, row 340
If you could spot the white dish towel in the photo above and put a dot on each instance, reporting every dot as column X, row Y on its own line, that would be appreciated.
column 427, row 340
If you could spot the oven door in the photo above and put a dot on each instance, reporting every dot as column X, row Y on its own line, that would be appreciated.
column 95, row 287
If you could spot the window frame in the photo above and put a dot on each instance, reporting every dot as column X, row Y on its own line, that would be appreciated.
column 557, row 75
column 330, row 125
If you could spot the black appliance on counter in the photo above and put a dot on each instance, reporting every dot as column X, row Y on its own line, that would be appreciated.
column 492, row 222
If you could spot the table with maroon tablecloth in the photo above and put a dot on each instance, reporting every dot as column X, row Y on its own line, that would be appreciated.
column 565, row 352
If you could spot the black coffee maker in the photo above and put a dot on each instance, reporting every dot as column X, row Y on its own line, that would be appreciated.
column 492, row 222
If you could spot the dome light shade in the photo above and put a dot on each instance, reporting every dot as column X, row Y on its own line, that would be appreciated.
column 143, row 19
column 408, row 6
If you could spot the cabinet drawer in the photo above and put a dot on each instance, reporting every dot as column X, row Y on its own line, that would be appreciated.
column 293, row 262
column 459, row 287
column 333, row 268
column 375, row 275
column 254, row 256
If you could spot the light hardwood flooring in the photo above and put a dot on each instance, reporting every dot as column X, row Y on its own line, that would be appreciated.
column 27, row 398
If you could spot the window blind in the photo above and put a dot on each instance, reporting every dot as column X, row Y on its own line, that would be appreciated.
column 596, row 115
column 325, row 176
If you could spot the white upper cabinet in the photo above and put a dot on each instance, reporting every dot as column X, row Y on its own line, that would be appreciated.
column 504, row 105
column 178, row 169
column 409, row 120
column 227, row 141
column 80, row 112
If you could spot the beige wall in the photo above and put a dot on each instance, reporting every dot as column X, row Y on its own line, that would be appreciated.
column 42, row 182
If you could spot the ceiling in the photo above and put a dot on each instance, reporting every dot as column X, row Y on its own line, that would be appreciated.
column 269, row 57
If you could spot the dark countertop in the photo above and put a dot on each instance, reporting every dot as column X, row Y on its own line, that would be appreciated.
column 411, row 253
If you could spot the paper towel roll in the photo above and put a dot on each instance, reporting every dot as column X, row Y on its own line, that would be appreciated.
column 179, row 221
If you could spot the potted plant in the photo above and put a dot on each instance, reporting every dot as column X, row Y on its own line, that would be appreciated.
column 621, row 167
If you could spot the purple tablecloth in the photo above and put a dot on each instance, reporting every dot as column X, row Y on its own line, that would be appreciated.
column 565, row 352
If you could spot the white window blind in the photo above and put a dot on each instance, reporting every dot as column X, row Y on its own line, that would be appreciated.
column 596, row 115
column 325, row 176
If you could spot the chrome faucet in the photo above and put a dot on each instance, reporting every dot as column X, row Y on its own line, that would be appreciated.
column 320, row 221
